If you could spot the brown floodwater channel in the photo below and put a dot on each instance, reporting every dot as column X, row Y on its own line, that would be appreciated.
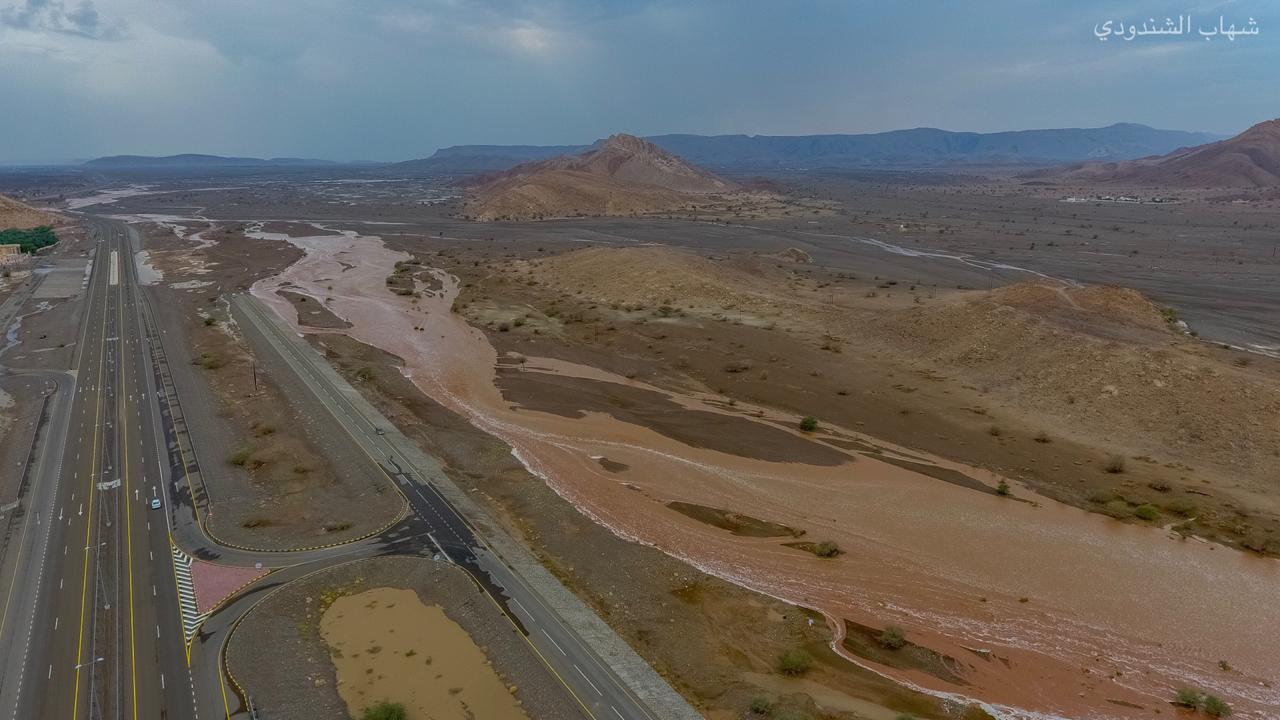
column 1034, row 608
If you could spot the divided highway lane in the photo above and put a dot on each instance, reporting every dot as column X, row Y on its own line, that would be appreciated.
column 105, row 637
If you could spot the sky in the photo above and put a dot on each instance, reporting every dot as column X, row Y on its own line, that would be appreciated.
column 396, row 79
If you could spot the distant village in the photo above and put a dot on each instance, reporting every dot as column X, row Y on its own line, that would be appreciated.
column 1120, row 199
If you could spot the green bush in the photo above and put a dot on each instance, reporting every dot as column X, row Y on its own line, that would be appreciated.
column 809, row 423
column 794, row 662
column 1216, row 706
column 1147, row 512
column 1003, row 489
column 1186, row 697
column 761, row 705
column 892, row 638
column 384, row 711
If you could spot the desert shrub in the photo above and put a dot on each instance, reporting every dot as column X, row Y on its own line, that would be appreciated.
column 1043, row 437
column 210, row 321
column 209, row 361
column 809, row 423
column 364, row 374
column 826, row 549
column 1215, row 706
column 995, row 431
column 384, row 711
column 1003, row 489
column 1186, row 697
column 1118, row 508
column 239, row 457
column 1146, row 512
column 761, row 705
column 794, row 662
column 1115, row 464
column 892, row 638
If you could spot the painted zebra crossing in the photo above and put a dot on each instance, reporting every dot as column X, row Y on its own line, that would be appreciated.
column 191, row 615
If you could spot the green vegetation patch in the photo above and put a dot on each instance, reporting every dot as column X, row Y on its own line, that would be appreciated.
column 29, row 241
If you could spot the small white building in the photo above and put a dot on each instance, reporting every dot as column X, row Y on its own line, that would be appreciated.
column 10, row 255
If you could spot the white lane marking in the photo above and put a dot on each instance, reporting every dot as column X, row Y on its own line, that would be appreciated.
column 553, row 642
column 584, row 677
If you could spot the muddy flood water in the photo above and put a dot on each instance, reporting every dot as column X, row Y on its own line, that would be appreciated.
column 388, row 646
column 1034, row 608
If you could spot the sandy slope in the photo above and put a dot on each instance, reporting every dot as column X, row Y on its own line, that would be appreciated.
column 14, row 214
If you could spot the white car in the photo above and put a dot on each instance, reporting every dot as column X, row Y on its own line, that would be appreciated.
column 155, row 503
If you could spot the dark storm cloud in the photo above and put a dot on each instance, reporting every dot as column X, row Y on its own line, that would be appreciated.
column 395, row 79
column 80, row 19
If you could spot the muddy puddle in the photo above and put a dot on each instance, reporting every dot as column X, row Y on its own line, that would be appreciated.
column 1086, row 615
column 388, row 646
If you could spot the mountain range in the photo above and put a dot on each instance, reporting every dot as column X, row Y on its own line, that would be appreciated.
column 919, row 147
column 192, row 160
column 1248, row 160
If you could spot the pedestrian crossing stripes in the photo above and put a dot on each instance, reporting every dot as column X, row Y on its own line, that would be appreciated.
column 191, row 615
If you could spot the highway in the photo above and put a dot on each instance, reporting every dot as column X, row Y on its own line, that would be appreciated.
column 94, row 629
column 92, row 625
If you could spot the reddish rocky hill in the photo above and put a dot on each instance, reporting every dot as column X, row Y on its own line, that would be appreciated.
column 1248, row 160
column 624, row 175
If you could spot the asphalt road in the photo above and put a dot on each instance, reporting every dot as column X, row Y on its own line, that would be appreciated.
column 91, row 624
column 95, row 630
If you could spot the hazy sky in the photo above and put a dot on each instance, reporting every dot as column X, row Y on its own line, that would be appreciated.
column 395, row 79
